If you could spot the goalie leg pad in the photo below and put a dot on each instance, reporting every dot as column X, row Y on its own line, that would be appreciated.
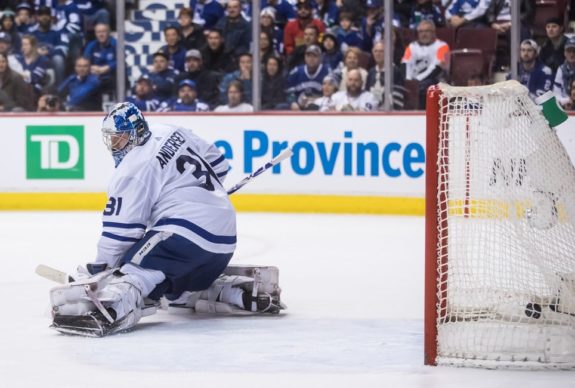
column 241, row 289
column 104, row 304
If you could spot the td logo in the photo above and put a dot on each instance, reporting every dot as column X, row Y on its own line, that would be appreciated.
column 55, row 152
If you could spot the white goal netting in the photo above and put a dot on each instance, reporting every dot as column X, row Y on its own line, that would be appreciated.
column 506, row 232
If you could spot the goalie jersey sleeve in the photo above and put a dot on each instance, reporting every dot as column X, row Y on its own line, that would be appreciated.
column 172, row 183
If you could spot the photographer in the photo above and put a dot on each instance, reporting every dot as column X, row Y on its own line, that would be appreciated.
column 48, row 103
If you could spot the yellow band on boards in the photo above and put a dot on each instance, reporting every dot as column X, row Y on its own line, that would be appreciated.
column 242, row 202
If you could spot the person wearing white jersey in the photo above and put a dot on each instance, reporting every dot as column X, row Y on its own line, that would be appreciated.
column 426, row 59
column 168, row 227
column 354, row 98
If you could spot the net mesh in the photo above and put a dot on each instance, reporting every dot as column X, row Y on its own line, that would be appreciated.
column 506, row 233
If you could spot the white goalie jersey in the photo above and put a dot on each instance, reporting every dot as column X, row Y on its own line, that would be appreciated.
column 171, row 183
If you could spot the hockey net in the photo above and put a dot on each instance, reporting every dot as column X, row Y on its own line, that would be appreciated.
column 500, row 232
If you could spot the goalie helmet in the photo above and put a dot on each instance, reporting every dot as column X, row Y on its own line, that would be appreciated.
column 123, row 129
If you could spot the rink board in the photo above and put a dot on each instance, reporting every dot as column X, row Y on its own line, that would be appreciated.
column 342, row 163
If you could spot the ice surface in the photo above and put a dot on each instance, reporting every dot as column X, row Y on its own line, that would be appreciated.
column 353, row 284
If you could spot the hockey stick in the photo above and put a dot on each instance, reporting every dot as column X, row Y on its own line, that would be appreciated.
column 63, row 278
column 278, row 159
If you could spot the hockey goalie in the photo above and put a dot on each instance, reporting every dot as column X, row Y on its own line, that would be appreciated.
column 169, row 231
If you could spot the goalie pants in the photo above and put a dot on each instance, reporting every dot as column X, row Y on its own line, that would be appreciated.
column 187, row 266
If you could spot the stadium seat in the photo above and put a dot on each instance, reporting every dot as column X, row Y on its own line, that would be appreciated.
column 411, row 95
column 447, row 35
column 464, row 63
column 484, row 39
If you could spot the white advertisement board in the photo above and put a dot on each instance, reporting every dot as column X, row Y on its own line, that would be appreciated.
column 375, row 155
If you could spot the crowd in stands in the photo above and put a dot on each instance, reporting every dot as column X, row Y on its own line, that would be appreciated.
column 324, row 55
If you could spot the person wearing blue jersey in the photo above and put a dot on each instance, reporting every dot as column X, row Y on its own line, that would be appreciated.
column 207, row 12
column 467, row 13
column 24, row 19
column 81, row 91
column 94, row 12
column 162, row 76
column 304, row 83
column 169, row 229
column 8, row 26
column 142, row 96
column 70, row 25
column 35, row 66
column 533, row 73
column 50, row 43
column 187, row 100
column 174, row 48
column 102, row 54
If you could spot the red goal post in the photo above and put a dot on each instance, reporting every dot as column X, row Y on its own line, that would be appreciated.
column 500, row 232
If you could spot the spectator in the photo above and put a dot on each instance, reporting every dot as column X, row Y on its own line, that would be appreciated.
column 243, row 75
column 373, row 24
column 350, row 61
column 50, row 43
column 266, row 47
column 102, row 54
column 143, row 95
column 310, row 37
column 426, row 59
column 205, row 79
column 328, row 12
column 48, row 103
column 94, row 12
column 207, row 12
column 267, row 23
column 15, row 93
column 347, row 34
column 304, row 83
column 35, row 66
column 187, row 100
column 354, row 98
column 6, row 49
column 532, row 73
column 81, row 91
column 571, row 104
column 328, row 88
column 235, row 29
column 498, row 16
column 162, row 77
column 193, row 36
column 235, row 92
column 332, row 55
column 8, row 26
column 214, row 56
column 174, row 48
column 376, row 79
column 425, row 10
column 294, row 29
column 273, row 85
column 284, row 11
column 467, row 13
column 24, row 19
column 553, row 49
column 69, row 23
column 565, row 73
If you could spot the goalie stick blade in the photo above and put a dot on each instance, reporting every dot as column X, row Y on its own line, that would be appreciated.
column 53, row 274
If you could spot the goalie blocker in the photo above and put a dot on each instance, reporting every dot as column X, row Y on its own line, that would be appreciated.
column 111, row 301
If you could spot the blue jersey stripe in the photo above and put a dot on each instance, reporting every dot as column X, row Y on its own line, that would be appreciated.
column 119, row 238
column 198, row 230
column 217, row 161
column 123, row 226
column 221, row 174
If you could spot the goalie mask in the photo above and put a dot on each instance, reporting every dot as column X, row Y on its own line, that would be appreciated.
column 123, row 129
